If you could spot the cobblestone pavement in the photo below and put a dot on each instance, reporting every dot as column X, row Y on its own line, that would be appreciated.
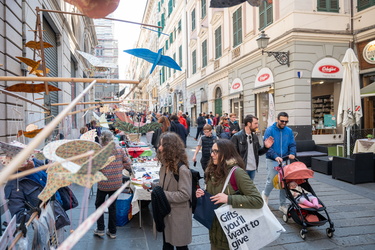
column 351, row 208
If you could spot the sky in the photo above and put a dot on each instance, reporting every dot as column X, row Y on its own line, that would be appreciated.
column 126, row 33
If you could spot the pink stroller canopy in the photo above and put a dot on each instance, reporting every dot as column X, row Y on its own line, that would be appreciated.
column 297, row 170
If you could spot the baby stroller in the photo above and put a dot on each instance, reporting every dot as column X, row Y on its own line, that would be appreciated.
column 301, row 214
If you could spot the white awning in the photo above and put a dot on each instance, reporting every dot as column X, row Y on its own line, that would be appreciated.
column 369, row 90
column 261, row 90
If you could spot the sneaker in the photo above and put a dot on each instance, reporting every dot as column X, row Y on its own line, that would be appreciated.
column 265, row 198
column 112, row 236
column 99, row 232
column 283, row 209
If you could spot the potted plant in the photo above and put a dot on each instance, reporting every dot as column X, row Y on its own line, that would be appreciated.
column 369, row 137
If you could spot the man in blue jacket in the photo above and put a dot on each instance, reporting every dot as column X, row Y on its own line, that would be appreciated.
column 284, row 146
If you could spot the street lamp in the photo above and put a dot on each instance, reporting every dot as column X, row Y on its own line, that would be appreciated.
column 281, row 57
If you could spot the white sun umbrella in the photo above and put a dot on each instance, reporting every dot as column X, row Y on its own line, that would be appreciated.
column 350, row 109
column 271, row 110
column 96, row 61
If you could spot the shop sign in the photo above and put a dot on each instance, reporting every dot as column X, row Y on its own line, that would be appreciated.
column 236, row 86
column 327, row 68
column 369, row 52
column 193, row 99
column 263, row 78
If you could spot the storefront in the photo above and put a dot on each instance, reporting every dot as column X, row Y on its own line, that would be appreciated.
column 204, row 103
column 263, row 91
column 326, row 80
column 366, row 57
column 236, row 99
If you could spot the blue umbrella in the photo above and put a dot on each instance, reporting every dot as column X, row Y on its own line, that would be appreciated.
column 154, row 58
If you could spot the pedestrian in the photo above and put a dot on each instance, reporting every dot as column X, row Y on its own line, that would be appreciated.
column 205, row 143
column 113, row 172
column 234, row 127
column 284, row 146
column 223, row 158
column 164, row 128
column 178, row 128
column 82, row 130
column 302, row 196
column 92, row 125
column 187, row 119
column 200, row 122
column 248, row 146
column 209, row 120
column 182, row 120
column 216, row 120
column 178, row 224
column 222, row 130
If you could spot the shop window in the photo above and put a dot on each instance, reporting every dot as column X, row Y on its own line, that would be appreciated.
column 265, row 14
column 237, row 27
column 218, row 43
column 328, row 5
column 364, row 4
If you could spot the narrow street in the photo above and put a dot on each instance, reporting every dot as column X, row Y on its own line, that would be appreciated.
column 351, row 208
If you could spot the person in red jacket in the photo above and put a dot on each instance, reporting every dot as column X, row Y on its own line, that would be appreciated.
column 182, row 120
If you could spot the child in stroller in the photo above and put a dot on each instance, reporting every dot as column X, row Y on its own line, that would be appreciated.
column 302, row 196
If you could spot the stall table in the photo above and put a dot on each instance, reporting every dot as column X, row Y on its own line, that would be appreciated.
column 364, row 146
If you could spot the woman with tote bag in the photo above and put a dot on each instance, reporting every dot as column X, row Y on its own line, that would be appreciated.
column 223, row 158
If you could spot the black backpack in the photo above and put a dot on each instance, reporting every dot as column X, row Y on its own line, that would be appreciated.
column 195, row 177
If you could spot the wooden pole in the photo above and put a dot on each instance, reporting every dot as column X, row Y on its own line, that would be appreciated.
column 3, row 91
column 84, row 103
column 108, row 18
column 26, row 152
column 35, row 170
column 82, row 110
column 66, row 79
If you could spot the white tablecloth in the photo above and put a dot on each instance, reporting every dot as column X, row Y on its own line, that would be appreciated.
column 364, row 145
column 139, row 169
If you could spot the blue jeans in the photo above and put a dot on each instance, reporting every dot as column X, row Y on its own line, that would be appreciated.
column 269, row 183
column 251, row 173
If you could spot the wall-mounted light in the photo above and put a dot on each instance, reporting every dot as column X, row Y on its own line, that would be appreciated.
column 281, row 57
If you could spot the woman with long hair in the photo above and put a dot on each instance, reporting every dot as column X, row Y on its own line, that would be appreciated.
column 178, row 224
column 164, row 128
column 224, row 157
column 222, row 129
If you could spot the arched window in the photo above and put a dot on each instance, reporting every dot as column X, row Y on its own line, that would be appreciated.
column 218, row 93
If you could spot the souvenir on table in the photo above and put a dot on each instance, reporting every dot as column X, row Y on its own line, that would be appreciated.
column 131, row 128
column 59, row 176
column 9, row 150
column 89, row 135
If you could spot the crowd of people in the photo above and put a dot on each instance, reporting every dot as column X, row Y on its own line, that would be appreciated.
column 223, row 144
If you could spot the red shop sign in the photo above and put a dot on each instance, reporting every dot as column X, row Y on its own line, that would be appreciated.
column 236, row 85
column 329, row 69
column 263, row 77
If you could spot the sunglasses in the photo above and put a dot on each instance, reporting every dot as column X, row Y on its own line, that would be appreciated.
column 225, row 119
column 214, row 151
column 283, row 121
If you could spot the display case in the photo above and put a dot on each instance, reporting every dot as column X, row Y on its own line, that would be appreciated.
column 322, row 112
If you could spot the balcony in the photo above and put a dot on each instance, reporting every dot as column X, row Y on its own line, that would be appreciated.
column 203, row 72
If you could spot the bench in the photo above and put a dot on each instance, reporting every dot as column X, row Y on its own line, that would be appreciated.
column 306, row 149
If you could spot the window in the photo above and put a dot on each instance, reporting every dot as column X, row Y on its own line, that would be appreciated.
column 204, row 53
column 328, row 5
column 159, row 29
column 180, row 56
column 194, row 61
column 174, row 58
column 193, row 20
column 179, row 26
column 171, row 38
column 170, row 7
column 162, row 21
column 99, row 50
column 265, row 14
column 162, row 75
column 159, row 6
column 237, row 27
column 204, row 8
column 166, row 45
column 218, row 43
column 364, row 4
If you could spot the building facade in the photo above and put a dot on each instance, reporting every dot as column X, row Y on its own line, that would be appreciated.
column 67, row 34
column 225, row 71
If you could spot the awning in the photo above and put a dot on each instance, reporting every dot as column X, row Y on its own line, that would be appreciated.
column 369, row 90
column 234, row 95
column 261, row 90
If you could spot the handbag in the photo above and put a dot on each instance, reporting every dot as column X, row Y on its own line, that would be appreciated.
column 204, row 211
column 248, row 228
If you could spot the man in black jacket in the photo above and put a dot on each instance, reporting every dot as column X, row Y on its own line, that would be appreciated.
column 247, row 145
column 201, row 122
column 178, row 128
column 234, row 127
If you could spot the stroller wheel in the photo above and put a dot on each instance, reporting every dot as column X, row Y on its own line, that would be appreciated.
column 303, row 233
column 329, row 232
column 285, row 218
